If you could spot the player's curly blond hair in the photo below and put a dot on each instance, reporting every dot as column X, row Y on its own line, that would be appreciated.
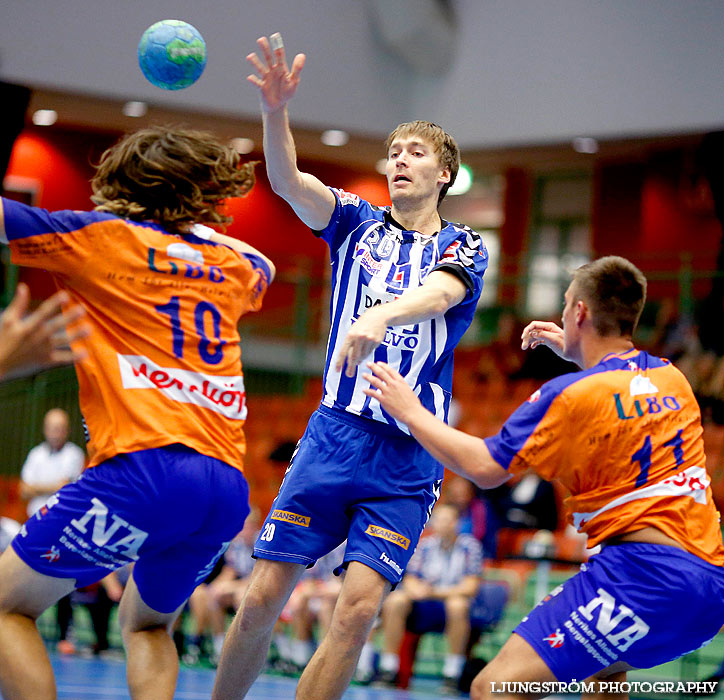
column 171, row 175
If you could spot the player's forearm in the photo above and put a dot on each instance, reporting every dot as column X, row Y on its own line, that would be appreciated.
column 468, row 588
column 312, row 202
column 28, row 491
column 463, row 454
column 280, row 153
column 416, row 305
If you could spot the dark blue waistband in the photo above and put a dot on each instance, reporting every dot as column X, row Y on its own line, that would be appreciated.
column 361, row 423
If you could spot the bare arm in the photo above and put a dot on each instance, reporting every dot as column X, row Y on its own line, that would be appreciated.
column 467, row 586
column 416, row 588
column 28, row 491
column 440, row 292
column 309, row 197
column 464, row 454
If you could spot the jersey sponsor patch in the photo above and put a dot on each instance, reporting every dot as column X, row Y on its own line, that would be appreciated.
column 347, row 198
column 289, row 517
column 691, row 482
column 224, row 395
column 389, row 535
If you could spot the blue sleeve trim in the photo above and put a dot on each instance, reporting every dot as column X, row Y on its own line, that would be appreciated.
column 459, row 272
column 23, row 221
column 327, row 232
column 260, row 264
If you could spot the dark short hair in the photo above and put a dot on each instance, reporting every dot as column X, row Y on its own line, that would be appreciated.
column 172, row 175
column 445, row 146
column 615, row 290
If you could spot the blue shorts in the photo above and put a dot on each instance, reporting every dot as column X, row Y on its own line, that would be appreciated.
column 357, row 479
column 642, row 604
column 171, row 511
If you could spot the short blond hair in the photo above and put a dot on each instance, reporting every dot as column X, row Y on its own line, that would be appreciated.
column 445, row 147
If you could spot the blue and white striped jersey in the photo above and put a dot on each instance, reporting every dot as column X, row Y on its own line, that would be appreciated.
column 374, row 260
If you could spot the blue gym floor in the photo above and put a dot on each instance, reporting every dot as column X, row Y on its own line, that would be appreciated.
column 100, row 679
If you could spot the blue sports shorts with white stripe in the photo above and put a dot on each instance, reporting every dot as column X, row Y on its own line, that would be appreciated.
column 170, row 510
column 642, row 604
column 352, row 478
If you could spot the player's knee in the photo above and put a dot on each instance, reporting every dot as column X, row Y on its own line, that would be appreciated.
column 259, row 608
column 480, row 687
column 353, row 619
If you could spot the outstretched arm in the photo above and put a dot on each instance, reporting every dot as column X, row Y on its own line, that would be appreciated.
column 39, row 338
column 440, row 292
column 309, row 197
column 464, row 454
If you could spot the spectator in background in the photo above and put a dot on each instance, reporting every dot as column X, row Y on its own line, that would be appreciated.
column 99, row 599
column 441, row 581
column 222, row 590
column 48, row 467
column 38, row 338
column 52, row 464
column 530, row 503
column 310, row 605
column 461, row 493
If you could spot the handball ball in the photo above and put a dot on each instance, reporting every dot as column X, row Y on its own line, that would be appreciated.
column 172, row 54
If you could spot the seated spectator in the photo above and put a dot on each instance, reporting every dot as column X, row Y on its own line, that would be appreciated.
column 99, row 599
column 310, row 607
column 461, row 493
column 227, row 589
column 222, row 590
column 48, row 467
column 442, row 579
column 530, row 503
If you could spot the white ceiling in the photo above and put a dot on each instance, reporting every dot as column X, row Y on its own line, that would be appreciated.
column 517, row 73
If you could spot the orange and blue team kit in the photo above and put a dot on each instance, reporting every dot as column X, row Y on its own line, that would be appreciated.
column 625, row 439
column 161, row 392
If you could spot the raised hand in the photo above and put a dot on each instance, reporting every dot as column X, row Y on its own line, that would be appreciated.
column 365, row 335
column 543, row 333
column 39, row 338
column 277, row 84
column 389, row 387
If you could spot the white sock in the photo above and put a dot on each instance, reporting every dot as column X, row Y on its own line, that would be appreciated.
column 390, row 662
column 282, row 643
column 453, row 665
column 218, row 642
column 301, row 651
column 366, row 657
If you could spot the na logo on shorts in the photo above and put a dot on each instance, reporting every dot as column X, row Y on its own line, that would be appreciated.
column 102, row 534
column 606, row 623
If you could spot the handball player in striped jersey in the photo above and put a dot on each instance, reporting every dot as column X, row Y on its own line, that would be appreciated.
column 405, row 284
